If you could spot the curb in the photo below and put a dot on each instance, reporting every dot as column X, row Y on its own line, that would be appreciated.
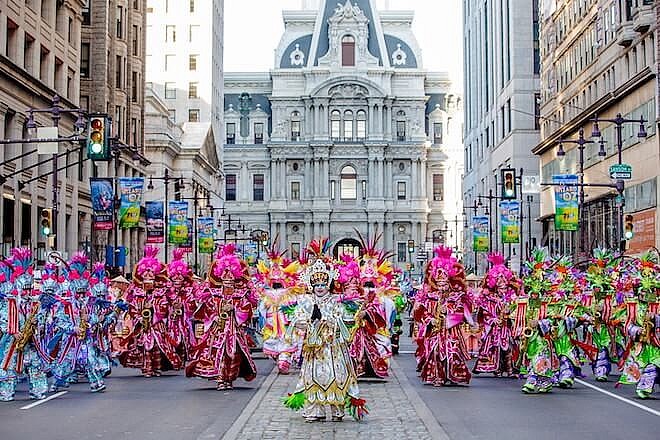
column 434, row 428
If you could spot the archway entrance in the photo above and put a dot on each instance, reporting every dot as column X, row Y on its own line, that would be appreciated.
column 348, row 246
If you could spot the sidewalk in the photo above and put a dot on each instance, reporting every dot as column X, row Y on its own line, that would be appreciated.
column 396, row 412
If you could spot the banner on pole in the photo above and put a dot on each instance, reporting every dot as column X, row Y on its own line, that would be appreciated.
column 510, row 219
column 480, row 229
column 188, row 245
column 155, row 222
column 103, row 196
column 130, row 189
column 178, row 222
column 205, row 233
column 566, row 202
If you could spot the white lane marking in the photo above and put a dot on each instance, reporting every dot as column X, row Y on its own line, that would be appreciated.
column 39, row 402
column 623, row 399
column 406, row 351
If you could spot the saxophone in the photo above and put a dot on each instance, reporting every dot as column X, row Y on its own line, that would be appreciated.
column 28, row 328
column 84, row 323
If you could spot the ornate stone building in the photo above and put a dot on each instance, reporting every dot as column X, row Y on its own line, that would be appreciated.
column 348, row 131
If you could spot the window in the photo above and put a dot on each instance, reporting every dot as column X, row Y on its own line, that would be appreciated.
column 295, row 126
column 193, row 31
column 193, row 115
column 437, row 133
column 438, row 184
column 84, row 60
column 361, row 126
column 400, row 131
column 70, row 31
column 259, row 133
column 192, row 90
column 134, row 87
column 192, row 5
column 192, row 62
column 401, row 251
column 231, row 133
column 348, row 188
column 348, row 125
column 170, row 33
column 134, row 136
column 230, row 187
column 28, row 53
column 537, row 111
column 170, row 62
column 348, row 51
column 172, row 114
column 401, row 190
column 120, row 22
column 86, row 16
column 335, row 124
column 295, row 190
column 258, row 187
column 136, row 5
column 170, row 90
column 84, row 102
column 118, row 63
column 135, row 36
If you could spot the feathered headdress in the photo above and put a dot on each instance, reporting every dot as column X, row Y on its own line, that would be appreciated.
column 179, row 266
column 376, row 266
column 277, row 269
column 348, row 269
column 499, row 271
column 99, row 280
column 6, row 269
column 319, row 248
column 148, row 262
column 320, row 272
column 22, row 261
column 226, row 260
column 444, row 260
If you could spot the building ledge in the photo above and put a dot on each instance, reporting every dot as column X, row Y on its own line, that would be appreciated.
column 643, row 18
column 625, row 34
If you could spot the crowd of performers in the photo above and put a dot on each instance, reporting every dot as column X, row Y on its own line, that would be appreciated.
column 331, row 321
column 544, row 326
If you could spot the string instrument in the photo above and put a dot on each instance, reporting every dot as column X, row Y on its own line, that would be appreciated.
column 28, row 328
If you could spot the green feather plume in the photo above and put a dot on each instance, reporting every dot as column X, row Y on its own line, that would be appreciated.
column 294, row 401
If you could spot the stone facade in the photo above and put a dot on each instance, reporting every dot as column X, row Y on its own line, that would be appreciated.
column 39, row 58
column 598, row 59
column 501, row 71
column 347, row 131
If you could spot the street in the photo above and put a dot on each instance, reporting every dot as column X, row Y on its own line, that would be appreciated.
column 174, row 407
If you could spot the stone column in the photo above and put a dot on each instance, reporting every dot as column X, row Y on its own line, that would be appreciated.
column 388, row 179
column 381, row 181
column 415, row 178
column 243, row 183
column 325, row 176
column 424, row 180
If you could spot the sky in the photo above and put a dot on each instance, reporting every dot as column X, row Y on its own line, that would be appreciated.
column 253, row 29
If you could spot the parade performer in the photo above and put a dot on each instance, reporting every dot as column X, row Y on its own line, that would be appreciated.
column 641, row 357
column 327, row 375
column 279, row 293
column 105, row 313
column 226, row 307
column 441, row 307
column 180, row 295
column 148, row 348
column 608, row 311
column 500, row 289
column 22, row 323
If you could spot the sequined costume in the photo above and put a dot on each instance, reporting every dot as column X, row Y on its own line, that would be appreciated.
column 180, row 292
column 226, row 305
column 22, row 326
column 327, row 375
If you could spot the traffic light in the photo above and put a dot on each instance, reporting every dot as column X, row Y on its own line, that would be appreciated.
column 411, row 246
column 628, row 227
column 46, row 221
column 509, row 184
column 98, row 146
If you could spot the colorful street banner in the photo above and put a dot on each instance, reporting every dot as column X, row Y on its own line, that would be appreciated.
column 177, row 222
column 130, row 189
column 205, row 233
column 103, row 195
column 187, row 246
column 480, row 229
column 155, row 222
column 510, row 220
column 566, row 202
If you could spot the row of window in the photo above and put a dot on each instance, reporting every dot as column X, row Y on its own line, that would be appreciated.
column 193, row 114
column 170, row 62
column 170, row 33
column 193, row 92
column 191, row 5
column 348, row 187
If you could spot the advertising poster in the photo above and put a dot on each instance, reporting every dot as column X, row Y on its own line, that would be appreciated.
column 480, row 233
column 187, row 245
column 205, row 233
column 177, row 222
column 103, row 195
column 130, row 189
column 566, row 202
column 155, row 222
column 510, row 220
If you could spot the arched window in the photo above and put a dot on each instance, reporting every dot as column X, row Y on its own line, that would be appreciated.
column 348, row 125
column 348, row 189
column 295, row 126
column 400, row 126
column 361, row 125
column 348, row 51
column 335, row 125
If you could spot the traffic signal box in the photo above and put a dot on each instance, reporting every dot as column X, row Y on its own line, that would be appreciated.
column 509, row 184
column 628, row 227
column 98, row 133
column 46, row 222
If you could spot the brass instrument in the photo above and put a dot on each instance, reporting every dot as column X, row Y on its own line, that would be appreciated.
column 527, row 332
column 177, row 311
column 147, row 314
column 28, row 329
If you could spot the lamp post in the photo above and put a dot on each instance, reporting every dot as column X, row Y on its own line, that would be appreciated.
column 205, row 195
column 618, row 122
column 166, row 178
column 475, row 209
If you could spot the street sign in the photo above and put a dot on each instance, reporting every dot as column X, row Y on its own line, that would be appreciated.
column 47, row 133
column 531, row 184
column 620, row 171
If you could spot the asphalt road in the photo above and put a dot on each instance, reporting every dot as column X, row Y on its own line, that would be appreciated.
column 495, row 408
column 168, row 407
